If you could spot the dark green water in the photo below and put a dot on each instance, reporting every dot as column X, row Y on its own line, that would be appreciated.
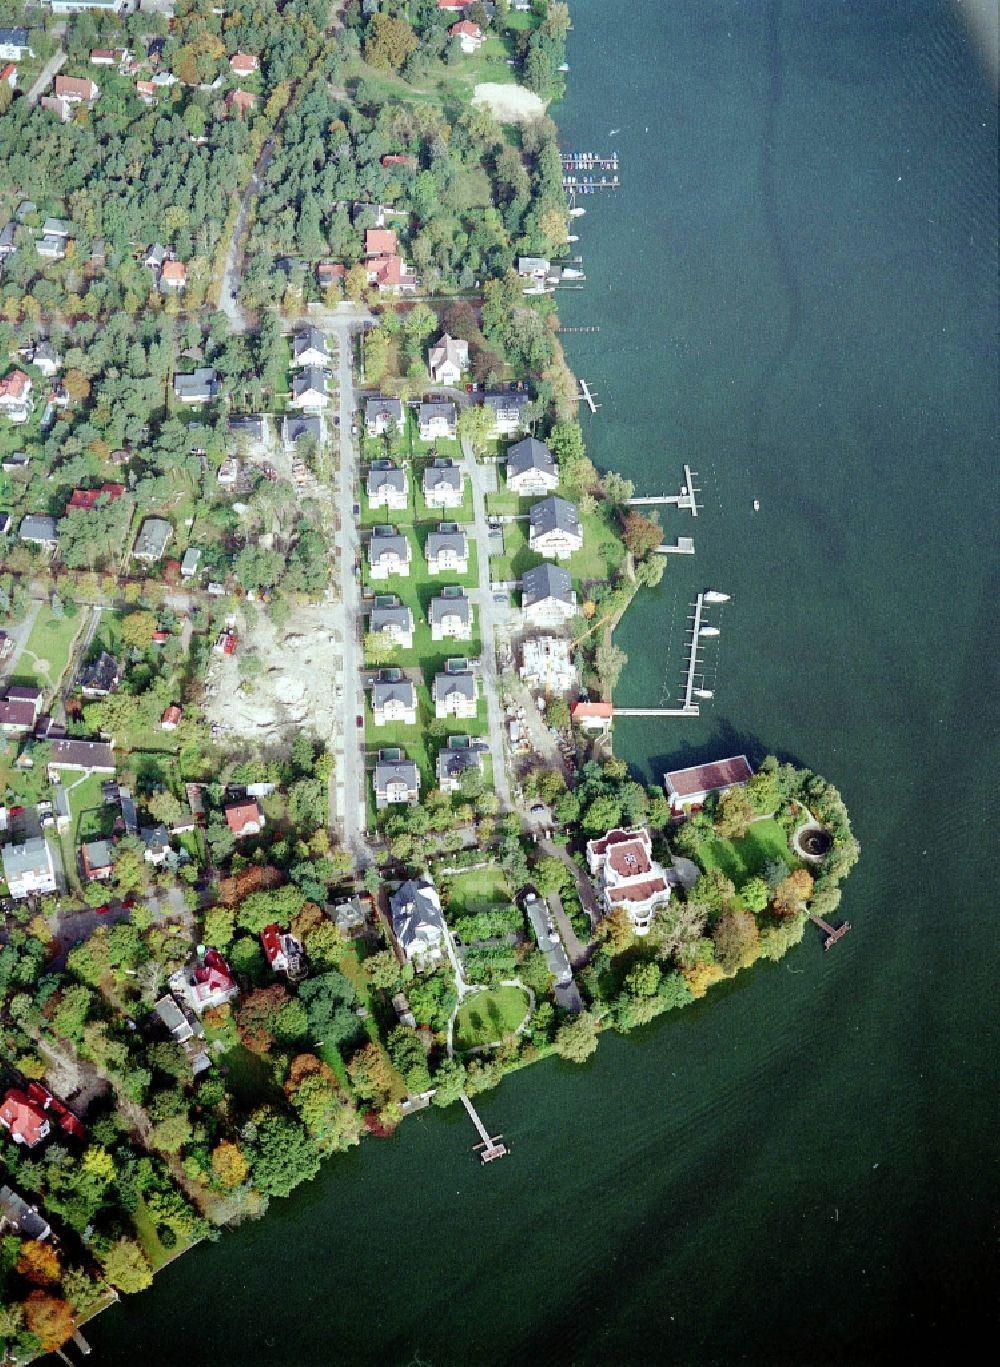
column 797, row 294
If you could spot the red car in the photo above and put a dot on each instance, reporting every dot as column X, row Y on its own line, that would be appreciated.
column 103, row 909
column 129, row 902
column 17, row 811
column 360, row 720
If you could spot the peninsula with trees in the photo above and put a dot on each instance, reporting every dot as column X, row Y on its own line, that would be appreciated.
column 309, row 811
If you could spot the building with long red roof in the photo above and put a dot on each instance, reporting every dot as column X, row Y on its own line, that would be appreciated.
column 687, row 788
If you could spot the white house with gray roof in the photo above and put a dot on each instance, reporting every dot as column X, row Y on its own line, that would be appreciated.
column 294, row 429
column 531, row 468
column 389, row 553
column 547, row 596
column 448, row 360
column 394, row 618
column 309, row 347
column 455, row 693
column 199, row 386
column 39, row 530
column 436, row 420
column 555, row 529
column 386, row 486
column 28, row 868
column 397, row 780
column 418, row 923
column 508, row 411
column 310, row 389
column 443, row 484
column 447, row 549
column 154, row 534
column 383, row 415
column 450, row 616
column 394, row 699
column 459, row 756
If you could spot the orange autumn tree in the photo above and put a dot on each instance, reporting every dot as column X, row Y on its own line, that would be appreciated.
column 38, row 1263
column 229, row 1164
column 50, row 1317
column 793, row 892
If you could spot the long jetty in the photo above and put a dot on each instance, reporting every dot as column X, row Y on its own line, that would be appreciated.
column 692, row 711
column 491, row 1146
column 686, row 499
column 692, row 668
column 587, row 396
column 832, row 936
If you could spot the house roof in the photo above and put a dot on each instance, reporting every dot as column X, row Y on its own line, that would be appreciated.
column 294, row 429
column 591, row 709
column 382, row 474
column 174, row 272
column 155, row 837
column 638, row 892
column 33, row 856
column 704, row 778
column 199, row 384
column 100, row 675
column 171, row 715
column 401, row 690
column 15, row 385
column 448, row 682
column 97, row 854
column 81, row 754
column 309, row 339
column 24, row 1218
column 87, row 498
column 389, row 270
column 311, row 377
column 449, row 606
column 441, row 541
column 393, row 408
column 554, row 515
column 152, row 540
column 38, row 527
column 17, row 714
column 529, row 454
column 380, row 242
column 387, row 541
column 546, row 581
column 393, row 771
column 243, row 63
column 446, row 348
column 240, row 100
column 452, row 763
column 416, row 913
column 14, row 37
column 27, row 1122
column 241, row 814
column 398, row 159
column 444, row 409
column 465, row 29
column 395, row 614
column 443, row 474
column 74, row 86
column 512, row 402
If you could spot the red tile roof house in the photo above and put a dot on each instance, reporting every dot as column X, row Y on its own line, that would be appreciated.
column 173, row 275
column 96, row 860
column 16, row 717
column 629, row 875
column 74, row 89
column 206, row 983
column 240, row 100
column 282, row 949
column 245, row 818
column 9, row 74
column 171, row 717
column 27, row 1122
column 688, row 788
column 469, row 35
column 592, row 716
column 398, row 159
column 454, row 6
column 87, row 498
column 14, row 389
column 386, row 268
column 242, row 64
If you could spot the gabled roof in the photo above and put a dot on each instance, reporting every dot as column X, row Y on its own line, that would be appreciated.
column 293, row 429
column 448, row 682
column 310, row 339
column 379, row 403
column 442, row 409
column 546, row 581
column 554, row 515
column 446, row 348
column 449, row 606
column 311, row 377
column 446, row 540
column 529, row 454
column 100, row 675
column 396, row 614
column 402, row 771
column 443, row 474
column 38, row 527
column 387, row 541
column 81, row 754
column 240, row 815
column 397, row 690
column 27, row 1122
column 382, row 474
column 416, row 913
column 705, row 778
column 380, row 242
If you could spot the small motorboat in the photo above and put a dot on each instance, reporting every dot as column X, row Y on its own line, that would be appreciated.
column 577, row 212
column 571, row 273
column 708, row 631
column 756, row 505
column 714, row 596
column 703, row 693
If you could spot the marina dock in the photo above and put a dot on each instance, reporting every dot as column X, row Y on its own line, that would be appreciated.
column 683, row 546
column 490, row 1147
column 587, row 396
column 687, row 498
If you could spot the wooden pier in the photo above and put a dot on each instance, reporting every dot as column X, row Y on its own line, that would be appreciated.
column 692, row 668
column 692, row 711
column 491, row 1146
column 686, row 500
column 591, row 329
column 588, row 161
column 832, row 936
column 683, row 546
column 587, row 396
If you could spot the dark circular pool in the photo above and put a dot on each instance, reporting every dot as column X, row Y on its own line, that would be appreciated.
column 815, row 842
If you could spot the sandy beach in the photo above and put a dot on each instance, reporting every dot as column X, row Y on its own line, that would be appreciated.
column 509, row 103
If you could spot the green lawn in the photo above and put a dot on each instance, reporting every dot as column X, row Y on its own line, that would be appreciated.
column 743, row 859
column 91, row 819
column 479, row 888
column 488, row 1016
column 249, row 1078
column 596, row 561
column 50, row 643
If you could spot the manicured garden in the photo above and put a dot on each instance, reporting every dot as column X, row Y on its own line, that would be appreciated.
column 470, row 892
column 739, row 860
column 485, row 1017
column 48, row 648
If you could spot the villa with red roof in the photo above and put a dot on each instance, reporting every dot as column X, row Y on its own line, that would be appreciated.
column 242, row 64
column 688, row 788
column 245, row 818
column 592, row 716
column 282, row 949
column 386, row 268
column 240, row 100
column 469, row 35
column 27, row 1122
column 206, row 983
column 87, row 498
column 629, row 876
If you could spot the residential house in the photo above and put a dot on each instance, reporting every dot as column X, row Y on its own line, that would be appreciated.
column 389, row 553
column 393, row 618
column 453, row 6
column 251, row 426
column 156, row 840
column 86, row 499
column 383, row 415
column 109, row 56
column 76, row 89
column 309, row 347
column 450, row 616
column 171, row 717
column 309, row 389
column 16, row 718
column 396, row 780
column 242, row 101
column 689, row 788
column 351, row 917
column 436, row 420
column 468, row 35
column 443, row 484
column 380, row 242
column 629, row 876
column 548, row 940
column 245, row 817
column 592, row 716
column 8, row 240
column 386, row 268
column 531, row 468
column 282, row 950
column 14, row 45
column 554, row 528
column 547, row 596
column 200, row 386
column 455, row 691
column 25, row 693
column 173, row 277
column 97, row 860
column 330, row 273
column 15, row 396
column 447, row 549
column 417, row 922
column 460, row 755
column 99, row 677
column 398, row 159
column 448, row 360
column 154, row 534
column 177, row 1022
column 24, row 1119
column 83, row 756
column 204, row 984
column 386, row 485
column 19, row 1218
column 155, row 257
column 8, row 75
column 535, row 268
column 28, row 868
column 243, row 64
column 189, row 565
column 39, row 530
column 394, row 699
column 509, row 412
column 547, row 664
column 295, row 429
column 44, row 356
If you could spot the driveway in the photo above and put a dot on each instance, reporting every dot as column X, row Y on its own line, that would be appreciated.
column 487, row 627
column 18, row 634
column 585, row 888
column 46, row 74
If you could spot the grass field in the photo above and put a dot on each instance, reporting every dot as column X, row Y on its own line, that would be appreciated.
column 47, row 651
column 743, row 859
column 598, row 558
column 479, row 888
column 488, row 1016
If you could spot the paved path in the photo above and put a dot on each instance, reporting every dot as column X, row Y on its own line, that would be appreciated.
column 487, row 627
column 585, row 888
column 18, row 633
column 46, row 74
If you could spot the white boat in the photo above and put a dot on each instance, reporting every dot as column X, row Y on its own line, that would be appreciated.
column 577, row 212
column 570, row 273
column 703, row 693
column 708, row 631
column 756, row 505
column 571, row 238
column 714, row 596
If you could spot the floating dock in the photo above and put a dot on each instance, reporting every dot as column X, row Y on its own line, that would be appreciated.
column 832, row 936
column 491, row 1147
column 588, row 161
column 589, row 185
column 686, row 500
column 683, row 546
column 587, row 396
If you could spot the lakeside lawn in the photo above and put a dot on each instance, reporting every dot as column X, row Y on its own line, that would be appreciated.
column 596, row 561
column 743, row 859
column 488, row 1016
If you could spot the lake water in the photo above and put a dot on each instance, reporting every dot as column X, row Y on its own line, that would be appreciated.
column 796, row 291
